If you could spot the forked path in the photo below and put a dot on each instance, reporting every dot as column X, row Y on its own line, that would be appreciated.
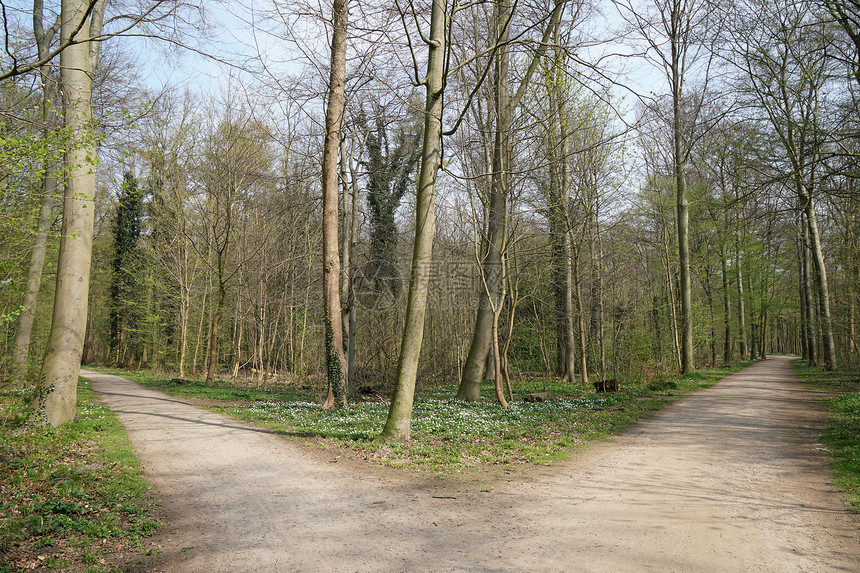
column 729, row 479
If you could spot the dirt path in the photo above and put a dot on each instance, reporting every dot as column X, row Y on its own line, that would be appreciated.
column 729, row 479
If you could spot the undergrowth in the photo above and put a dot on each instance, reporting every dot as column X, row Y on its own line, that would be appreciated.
column 72, row 498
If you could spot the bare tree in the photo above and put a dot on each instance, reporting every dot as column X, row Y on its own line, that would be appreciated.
column 336, row 366
column 398, row 425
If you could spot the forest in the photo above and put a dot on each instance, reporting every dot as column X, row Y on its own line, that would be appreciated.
column 389, row 196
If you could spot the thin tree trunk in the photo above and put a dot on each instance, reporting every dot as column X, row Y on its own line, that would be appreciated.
column 570, row 250
column 601, row 313
column 24, row 328
column 200, row 333
column 852, row 319
column 50, row 96
column 673, row 306
column 348, row 286
column 213, row 333
column 727, row 317
column 509, row 332
column 817, row 255
column 397, row 426
column 580, row 311
column 571, row 290
column 336, row 367
column 184, row 302
column 713, row 327
column 742, row 313
column 683, row 223
column 238, row 327
column 499, row 382
column 811, row 338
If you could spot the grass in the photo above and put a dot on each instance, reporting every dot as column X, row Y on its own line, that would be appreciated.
column 449, row 436
column 842, row 431
column 71, row 498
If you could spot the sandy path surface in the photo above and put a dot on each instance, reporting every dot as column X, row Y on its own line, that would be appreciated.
column 729, row 479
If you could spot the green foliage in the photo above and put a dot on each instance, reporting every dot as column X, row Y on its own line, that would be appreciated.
column 334, row 371
column 842, row 432
column 125, row 291
column 69, row 487
column 393, row 150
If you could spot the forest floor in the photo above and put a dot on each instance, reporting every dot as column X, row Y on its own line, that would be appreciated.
column 728, row 479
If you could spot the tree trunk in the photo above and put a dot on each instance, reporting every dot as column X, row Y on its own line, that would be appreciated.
column 350, row 232
column 811, row 338
column 498, row 379
column 580, row 311
column 828, row 345
column 727, row 316
column 852, row 311
column 673, row 304
column 676, row 37
column 558, row 236
column 713, row 327
column 397, row 426
column 473, row 370
column 213, row 333
column 58, row 381
column 50, row 96
column 687, row 363
column 601, row 313
column 24, row 328
column 742, row 313
column 571, row 290
column 497, row 227
column 336, row 367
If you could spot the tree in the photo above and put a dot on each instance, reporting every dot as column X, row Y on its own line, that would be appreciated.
column 336, row 366
column 126, row 281
column 393, row 150
column 847, row 15
column 504, row 104
column 57, row 395
column 675, row 33
column 398, row 424
column 235, row 162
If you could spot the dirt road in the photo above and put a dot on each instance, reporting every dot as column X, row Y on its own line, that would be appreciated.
column 729, row 479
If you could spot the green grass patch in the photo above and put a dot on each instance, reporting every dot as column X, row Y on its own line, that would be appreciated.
column 72, row 498
column 450, row 436
column 842, row 431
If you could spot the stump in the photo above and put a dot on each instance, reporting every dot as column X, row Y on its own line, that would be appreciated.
column 610, row 385
column 539, row 397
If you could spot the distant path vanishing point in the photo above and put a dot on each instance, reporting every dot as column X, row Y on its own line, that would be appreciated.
column 728, row 479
